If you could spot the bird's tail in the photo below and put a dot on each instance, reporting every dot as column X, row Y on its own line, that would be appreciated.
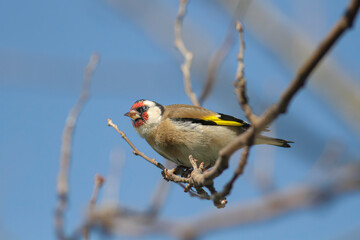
column 272, row 141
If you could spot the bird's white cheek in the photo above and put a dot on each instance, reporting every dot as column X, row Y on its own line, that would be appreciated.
column 152, row 120
column 154, row 116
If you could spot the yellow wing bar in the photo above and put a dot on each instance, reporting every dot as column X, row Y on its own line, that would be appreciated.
column 222, row 122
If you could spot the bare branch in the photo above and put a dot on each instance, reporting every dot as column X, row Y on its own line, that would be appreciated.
column 188, row 56
column 171, row 176
column 62, row 181
column 240, row 89
column 344, row 179
column 240, row 83
column 135, row 150
column 99, row 181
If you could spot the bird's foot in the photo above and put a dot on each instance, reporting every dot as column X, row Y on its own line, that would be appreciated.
column 183, row 171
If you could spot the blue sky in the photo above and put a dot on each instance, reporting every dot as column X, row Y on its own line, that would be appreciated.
column 44, row 47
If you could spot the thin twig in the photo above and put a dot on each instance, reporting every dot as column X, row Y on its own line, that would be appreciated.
column 135, row 150
column 188, row 56
column 240, row 83
column 240, row 89
column 62, row 181
column 240, row 169
column 171, row 176
column 99, row 181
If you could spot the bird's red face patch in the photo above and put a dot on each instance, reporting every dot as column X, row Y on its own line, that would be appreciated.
column 144, row 116
column 137, row 123
column 137, row 105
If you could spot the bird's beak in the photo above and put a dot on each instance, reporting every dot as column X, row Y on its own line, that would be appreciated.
column 132, row 114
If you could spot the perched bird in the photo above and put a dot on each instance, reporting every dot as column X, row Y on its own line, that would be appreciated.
column 179, row 130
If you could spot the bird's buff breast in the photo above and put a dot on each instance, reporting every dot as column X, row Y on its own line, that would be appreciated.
column 177, row 141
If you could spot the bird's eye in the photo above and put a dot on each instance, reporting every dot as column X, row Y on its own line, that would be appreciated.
column 142, row 109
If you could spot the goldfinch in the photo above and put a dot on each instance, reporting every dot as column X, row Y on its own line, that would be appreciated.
column 179, row 130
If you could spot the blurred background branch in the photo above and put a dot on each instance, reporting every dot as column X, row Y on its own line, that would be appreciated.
column 188, row 56
column 344, row 179
column 62, row 181
column 98, row 182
